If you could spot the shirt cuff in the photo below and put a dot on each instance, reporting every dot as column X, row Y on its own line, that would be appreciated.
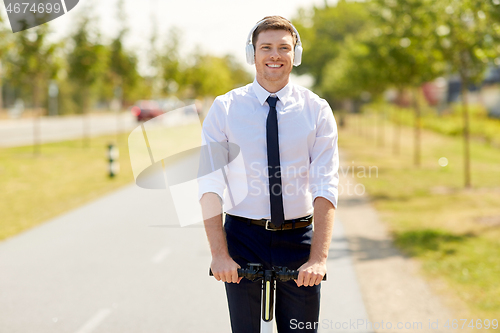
column 207, row 186
column 331, row 196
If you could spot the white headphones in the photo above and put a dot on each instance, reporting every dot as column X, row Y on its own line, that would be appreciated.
column 250, row 51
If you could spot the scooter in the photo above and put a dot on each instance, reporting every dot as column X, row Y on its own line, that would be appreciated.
column 254, row 272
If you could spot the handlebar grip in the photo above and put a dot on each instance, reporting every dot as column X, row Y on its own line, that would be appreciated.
column 240, row 272
column 295, row 275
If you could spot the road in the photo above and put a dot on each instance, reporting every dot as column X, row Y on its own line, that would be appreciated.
column 19, row 132
column 122, row 264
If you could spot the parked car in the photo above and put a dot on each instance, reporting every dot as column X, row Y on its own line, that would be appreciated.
column 145, row 110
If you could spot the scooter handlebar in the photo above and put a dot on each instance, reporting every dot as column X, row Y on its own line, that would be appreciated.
column 282, row 274
column 244, row 272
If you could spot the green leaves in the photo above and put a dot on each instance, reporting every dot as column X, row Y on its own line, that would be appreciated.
column 324, row 31
column 408, row 42
column 87, row 58
column 201, row 74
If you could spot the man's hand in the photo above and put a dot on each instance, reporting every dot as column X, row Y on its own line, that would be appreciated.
column 311, row 273
column 225, row 269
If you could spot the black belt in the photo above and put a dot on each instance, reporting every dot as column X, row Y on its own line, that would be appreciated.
column 288, row 225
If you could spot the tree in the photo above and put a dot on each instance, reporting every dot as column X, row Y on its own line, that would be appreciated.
column 401, row 48
column 171, row 67
column 323, row 31
column 212, row 76
column 374, row 45
column 87, row 63
column 33, row 65
column 155, row 76
column 5, row 46
column 352, row 73
column 202, row 75
column 352, row 76
column 239, row 75
column 122, row 65
column 464, row 36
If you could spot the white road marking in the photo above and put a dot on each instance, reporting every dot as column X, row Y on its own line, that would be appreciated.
column 93, row 322
column 161, row 255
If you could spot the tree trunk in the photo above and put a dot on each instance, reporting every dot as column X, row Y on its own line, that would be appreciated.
column 1, row 85
column 397, row 134
column 396, row 146
column 467, row 180
column 381, row 129
column 85, row 118
column 118, row 94
column 374, row 124
column 36, row 117
column 360, row 124
column 118, row 128
column 417, row 130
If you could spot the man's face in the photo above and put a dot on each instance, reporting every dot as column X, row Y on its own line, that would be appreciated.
column 274, row 57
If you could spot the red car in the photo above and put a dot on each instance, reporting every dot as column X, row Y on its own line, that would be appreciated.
column 146, row 110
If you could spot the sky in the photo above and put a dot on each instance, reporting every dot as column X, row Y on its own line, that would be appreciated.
column 217, row 27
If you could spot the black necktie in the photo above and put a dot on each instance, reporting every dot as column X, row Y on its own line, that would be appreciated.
column 273, row 161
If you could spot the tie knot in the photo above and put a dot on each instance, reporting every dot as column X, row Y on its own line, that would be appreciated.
column 272, row 101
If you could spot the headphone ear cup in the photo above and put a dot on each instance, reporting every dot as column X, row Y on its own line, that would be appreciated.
column 297, row 60
column 250, row 54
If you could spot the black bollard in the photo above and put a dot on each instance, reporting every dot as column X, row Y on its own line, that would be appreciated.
column 114, row 165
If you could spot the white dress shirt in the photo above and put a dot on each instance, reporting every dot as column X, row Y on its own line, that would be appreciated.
column 308, row 150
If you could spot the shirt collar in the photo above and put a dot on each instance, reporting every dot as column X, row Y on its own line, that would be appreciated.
column 262, row 94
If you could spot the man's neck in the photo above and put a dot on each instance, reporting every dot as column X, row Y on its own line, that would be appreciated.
column 272, row 86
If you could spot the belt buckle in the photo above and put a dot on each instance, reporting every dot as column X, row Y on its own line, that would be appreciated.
column 267, row 226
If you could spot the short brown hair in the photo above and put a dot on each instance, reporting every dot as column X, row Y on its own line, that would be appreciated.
column 274, row 23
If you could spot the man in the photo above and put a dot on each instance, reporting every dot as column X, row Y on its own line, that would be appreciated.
column 272, row 224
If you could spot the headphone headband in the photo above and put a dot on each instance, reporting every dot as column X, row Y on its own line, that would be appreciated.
column 250, row 51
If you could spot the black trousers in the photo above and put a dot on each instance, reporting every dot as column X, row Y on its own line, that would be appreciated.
column 294, row 306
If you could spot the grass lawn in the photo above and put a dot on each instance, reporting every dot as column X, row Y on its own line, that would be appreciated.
column 64, row 176
column 454, row 232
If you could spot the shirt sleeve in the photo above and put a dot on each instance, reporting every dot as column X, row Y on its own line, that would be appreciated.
column 213, row 140
column 324, row 157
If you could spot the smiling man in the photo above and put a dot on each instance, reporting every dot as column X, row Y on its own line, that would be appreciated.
column 288, row 141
